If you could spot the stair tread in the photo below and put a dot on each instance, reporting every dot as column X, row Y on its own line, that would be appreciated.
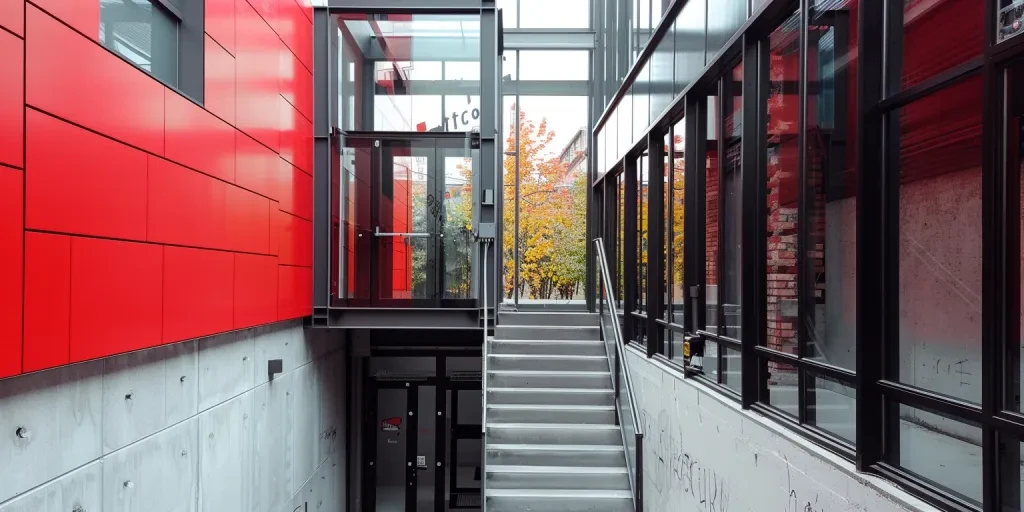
column 557, row 447
column 551, row 407
column 559, row 493
column 577, row 426
column 548, row 356
column 553, row 390
column 590, row 470
column 552, row 372
column 521, row 340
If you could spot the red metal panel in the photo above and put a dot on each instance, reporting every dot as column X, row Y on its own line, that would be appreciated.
column 185, row 207
column 296, row 31
column 256, row 167
column 255, row 290
column 80, row 182
column 296, row 137
column 276, row 222
column 296, row 239
column 198, row 139
column 83, row 16
column 296, row 83
column 268, row 10
column 219, row 77
column 11, row 232
column 295, row 292
column 295, row 191
column 248, row 221
column 12, row 16
column 256, row 74
column 115, row 297
column 12, row 98
column 72, row 78
column 47, row 300
column 220, row 23
column 198, row 292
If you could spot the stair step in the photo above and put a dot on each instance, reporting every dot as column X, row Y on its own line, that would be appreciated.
column 546, row 332
column 557, row 477
column 551, row 396
column 558, row 500
column 554, row 318
column 553, row 433
column 534, row 413
column 594, row 347
column 556, row 454
column 575, row 362
column 549, row 379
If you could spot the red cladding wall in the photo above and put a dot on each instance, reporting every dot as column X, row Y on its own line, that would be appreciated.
column 132, row 216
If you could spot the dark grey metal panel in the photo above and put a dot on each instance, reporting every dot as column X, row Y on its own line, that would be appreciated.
column 323, row 95
column 191, row 54
column 516, row 39
column 553, row 88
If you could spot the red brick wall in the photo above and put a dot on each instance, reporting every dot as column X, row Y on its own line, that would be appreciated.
column 131, row 216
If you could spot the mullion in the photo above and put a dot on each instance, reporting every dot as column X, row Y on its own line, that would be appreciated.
column 719, row 191
column 801, row 238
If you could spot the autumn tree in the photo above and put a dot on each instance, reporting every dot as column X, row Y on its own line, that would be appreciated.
column 552, row 216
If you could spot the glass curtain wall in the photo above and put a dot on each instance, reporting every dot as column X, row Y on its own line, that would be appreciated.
column 546, row 164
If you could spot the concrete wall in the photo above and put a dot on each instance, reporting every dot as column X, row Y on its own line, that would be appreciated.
column 194, row 426
column 703, row 453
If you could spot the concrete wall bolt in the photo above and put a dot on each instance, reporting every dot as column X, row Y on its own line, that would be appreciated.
column 23, row 433
column 128, row 484
column 129, row 396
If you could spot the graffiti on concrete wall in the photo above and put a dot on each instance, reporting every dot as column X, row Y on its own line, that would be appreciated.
column 677, row 473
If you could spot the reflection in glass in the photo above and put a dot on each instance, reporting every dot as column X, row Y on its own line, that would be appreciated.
column 641, row 103
column 143, row 34
column 666, row 229
column 731, row 369
column 783, row 186
column 731, row 221
column 354, row 223
column 832, row 183
column 711, row 238
column 940, row 449
column 643, row 172
column 783, row 393
column 457, row 221
column 620, row 262
column 675, row 237
column 405, row 263
column 925, row 53
column 832, row 406
column 1014, row 138
column 1010, row 19
column 689, row 50
column 512, row 254
column 940, row 248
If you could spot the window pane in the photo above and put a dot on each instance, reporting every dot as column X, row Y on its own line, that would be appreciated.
column 559, row 14
column 731, row 369
column 143, row 34
column 783, row 393
column 938, row 36
column 508, row 233
column 783, row 186
column 1014, row 116
column 724, row 18
column 625, row 111
column 661, row 76
column 831, row 250
column 940, row 241
column 732, row 240
column 461, row 70
column 832, row 406
column 1010, row 19
column 711, row 198
column 642, row 102
column 666, row 228
column 509, row 66
column 940, row 449
column 675, row 238
column 554, row 65
column 620, row 241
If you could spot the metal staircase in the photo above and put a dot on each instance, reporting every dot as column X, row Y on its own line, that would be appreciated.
column 553, row 442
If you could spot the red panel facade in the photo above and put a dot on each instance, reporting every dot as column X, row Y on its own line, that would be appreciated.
column 12, row 16
column 198, row 292
column 255, row 300
column 116, row 297
column 295, row 292
column 219, row 81
column 91, row 186
column 196, row 138
column 73, row 78
column 11, row 229
column 12, row 99
column 220, row 23
column 47, row 300
column 132, row 216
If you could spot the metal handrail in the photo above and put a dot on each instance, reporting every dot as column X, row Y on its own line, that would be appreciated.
column 620, row 355
column 483, row 391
